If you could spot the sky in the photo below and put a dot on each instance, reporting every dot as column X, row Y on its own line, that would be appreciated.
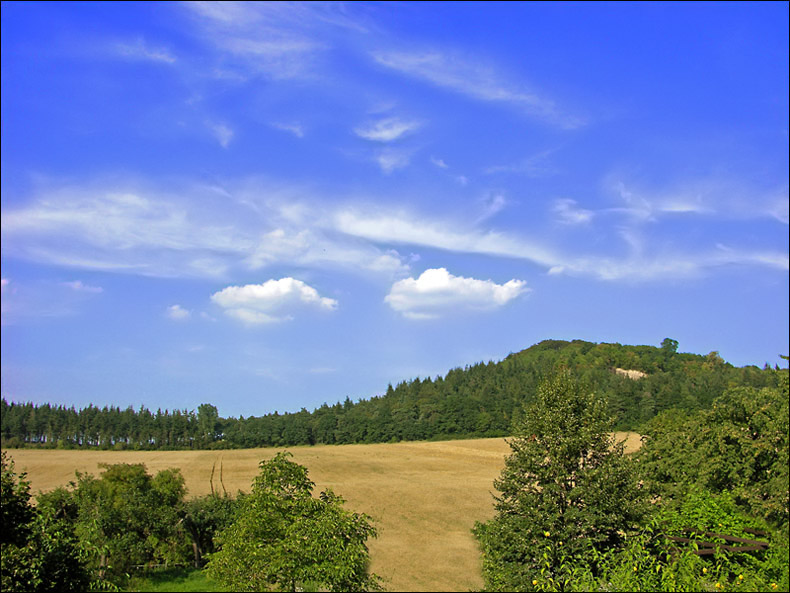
column 272, row 206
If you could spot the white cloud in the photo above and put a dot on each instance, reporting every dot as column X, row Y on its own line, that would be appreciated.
column 569, row 213
column 281, row 40
column 292, row 128
column 222, row 133
column 708, row 197
column 309, row 247
column 5, row 293
column 178, row 313
column 640, row 264
column 271, row 301
column 147, row 233
column 475, row 79
column 202, row 231
column 439, row 163
column 437, row 292
column 391, row 159
column 386, row 130
column 191, row 231
column 78, row 286
column 141, row 50
column 402, row 228
column 493, row 203
column 533, row 166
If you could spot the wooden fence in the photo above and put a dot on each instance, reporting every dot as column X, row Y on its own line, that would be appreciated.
column 708, row 548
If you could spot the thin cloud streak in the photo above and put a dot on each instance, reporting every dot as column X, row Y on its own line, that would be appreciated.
column 476, row 80
column 222, row 235
column 387, row 130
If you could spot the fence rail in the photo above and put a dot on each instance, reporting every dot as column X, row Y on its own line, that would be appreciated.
column 708, row 548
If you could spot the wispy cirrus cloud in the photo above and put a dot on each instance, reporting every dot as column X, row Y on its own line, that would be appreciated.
column 399, row 227
column 635, row 263
column 270, row 302
column 475, row 79
column 436, row 292
column 533, row 166
column 203, row 232
column 79, row 286
column 707, row 197
column 187, row 231
column 392, row 159
column 140, row 49
column 222, row 132
column 568, row 212
column 281, row 40
column 294, row 128
column 387, row 130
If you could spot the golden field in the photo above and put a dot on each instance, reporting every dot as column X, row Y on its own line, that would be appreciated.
column 424, row 496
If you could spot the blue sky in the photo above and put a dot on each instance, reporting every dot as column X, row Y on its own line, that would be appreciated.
column 271, row 206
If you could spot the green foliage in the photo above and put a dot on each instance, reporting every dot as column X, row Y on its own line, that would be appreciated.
column 207, row 516
column 126, row 519
column 39, row 549
column 566, row 488
column 718, row 471
column 17, row 512
column 284, row 539
column 739, row 446
column 649, row 561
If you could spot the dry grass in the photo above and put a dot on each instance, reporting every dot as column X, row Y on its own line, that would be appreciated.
column 425, row 497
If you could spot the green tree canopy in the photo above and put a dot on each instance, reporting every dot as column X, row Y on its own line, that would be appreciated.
column 284, row 538
column 566, row 487
column 740, row 446
column 39, row 551
column 128, row 518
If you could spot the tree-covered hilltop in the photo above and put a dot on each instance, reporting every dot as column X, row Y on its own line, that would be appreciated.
column 480, row 400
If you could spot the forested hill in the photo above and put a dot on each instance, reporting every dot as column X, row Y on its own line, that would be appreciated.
column 475, row 401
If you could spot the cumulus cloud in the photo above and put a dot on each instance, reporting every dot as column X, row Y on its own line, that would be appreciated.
column 437, row 291
column 386, row 130
column 271, row 301
column 178, row 313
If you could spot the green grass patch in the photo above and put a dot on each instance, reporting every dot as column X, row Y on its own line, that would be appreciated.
column 174, row 579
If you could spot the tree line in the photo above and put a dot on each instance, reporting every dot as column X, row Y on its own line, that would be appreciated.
column 480, row 400
column 573, row 513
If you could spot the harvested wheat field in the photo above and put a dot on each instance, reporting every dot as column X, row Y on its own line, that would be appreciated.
column 424, row 496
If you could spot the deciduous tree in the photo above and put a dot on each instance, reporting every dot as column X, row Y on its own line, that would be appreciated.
column 566, row 487
column 284, row 539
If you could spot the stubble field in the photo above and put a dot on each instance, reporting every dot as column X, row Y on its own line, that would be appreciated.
column 424, row 496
